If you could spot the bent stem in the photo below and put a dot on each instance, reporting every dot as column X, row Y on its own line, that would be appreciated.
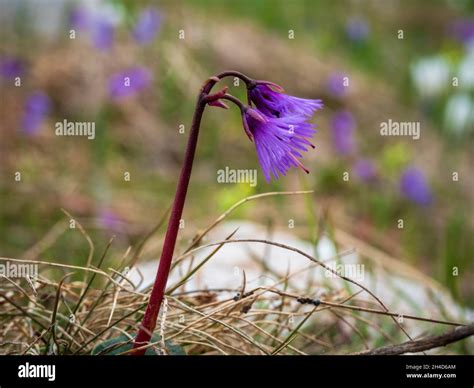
column 156, row 297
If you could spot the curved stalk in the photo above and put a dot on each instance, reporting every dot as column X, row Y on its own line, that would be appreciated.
column 156, row 297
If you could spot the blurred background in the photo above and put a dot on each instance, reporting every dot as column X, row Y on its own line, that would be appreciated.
column 370, row 62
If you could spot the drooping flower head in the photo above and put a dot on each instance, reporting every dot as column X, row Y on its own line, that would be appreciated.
column 270, row 100
column 37, row 106
column 278, row 124
column 279, row 141
column 413, row 186
column 147, row 26
column 129, row 82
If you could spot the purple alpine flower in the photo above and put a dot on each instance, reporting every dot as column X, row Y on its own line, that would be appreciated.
column 343, row 126
column 99, row 25
column 357, row 30
column 335, row 85
column 103, row 33
column 413, row 186
column 462, row 30
column 129, row 82
column 108, row 219
column 279, row 141
column 279, row 137
column 11, row 67
column 270, row 100
column 147, row 26
column 365, row 169
column 80, row 19
column 37, row 106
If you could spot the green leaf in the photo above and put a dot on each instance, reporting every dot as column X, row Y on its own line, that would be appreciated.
column 117, row 345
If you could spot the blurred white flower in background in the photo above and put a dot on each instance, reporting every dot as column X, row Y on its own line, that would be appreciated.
column 47, row 17
column 459, row 114
column 466, row 72
column 469, row 47
column 44, row 18
column 430, row 76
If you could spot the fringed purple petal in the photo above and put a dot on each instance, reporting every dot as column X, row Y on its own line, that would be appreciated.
column 275, row 104
column 279, row 141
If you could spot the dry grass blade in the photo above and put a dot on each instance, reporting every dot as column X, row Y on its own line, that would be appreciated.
column 139, row 249
column 86, row 236
column 294, row 333
column 264, row 319
column 199, row 266
column 309, row 257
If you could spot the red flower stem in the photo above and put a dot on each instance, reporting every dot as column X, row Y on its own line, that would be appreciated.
column 235, row 100
column 157, row 293
column 231, row 73
column 156, row 297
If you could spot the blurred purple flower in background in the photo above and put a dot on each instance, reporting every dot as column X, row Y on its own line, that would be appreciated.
column 343, row 126
column 102, row 34
column 278, row 141
column 109, row 220
column 357, row 29
column 365, row 169
column 335, row 85
column 129, row 82
column 147, row 26
column 11, row 67
column 37, row 106
column 462, row 30
column 277, row 104
column 413, row 186
column 80, row 19
column 98, row 22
